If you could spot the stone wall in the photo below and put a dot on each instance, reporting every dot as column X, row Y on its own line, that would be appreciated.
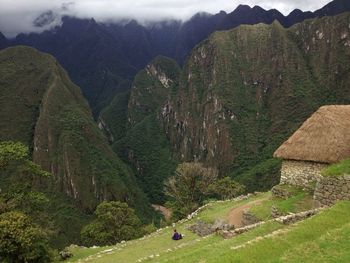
column 301, row 173
column 331, row 189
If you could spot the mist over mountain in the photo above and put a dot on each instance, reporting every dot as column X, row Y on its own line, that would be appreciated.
column 22, row 16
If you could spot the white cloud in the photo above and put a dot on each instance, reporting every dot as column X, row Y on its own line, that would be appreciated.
column 18, row 15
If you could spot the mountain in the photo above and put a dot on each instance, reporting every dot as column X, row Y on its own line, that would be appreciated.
column 333, row 8
column 135, row 130
column 104, row 58
column 53, row 119
column 3, row 41
column 240, row 94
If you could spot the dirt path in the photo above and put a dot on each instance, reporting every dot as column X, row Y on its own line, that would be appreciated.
column 235, row 215
column 165, row 211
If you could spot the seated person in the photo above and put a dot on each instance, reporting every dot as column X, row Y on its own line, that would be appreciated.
column 176, row 235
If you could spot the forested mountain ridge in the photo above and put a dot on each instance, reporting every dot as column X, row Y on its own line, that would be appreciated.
column 112, row 53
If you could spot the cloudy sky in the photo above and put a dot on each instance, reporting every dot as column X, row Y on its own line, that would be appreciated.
column 18, row 15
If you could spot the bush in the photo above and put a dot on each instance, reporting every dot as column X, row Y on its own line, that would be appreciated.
column 226, row 188
column 115, row 222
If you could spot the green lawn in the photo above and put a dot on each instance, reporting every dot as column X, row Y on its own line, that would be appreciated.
column 298, row 202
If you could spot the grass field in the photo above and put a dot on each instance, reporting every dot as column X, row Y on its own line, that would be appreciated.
column 322, row 238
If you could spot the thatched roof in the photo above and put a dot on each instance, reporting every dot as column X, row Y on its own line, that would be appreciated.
column 324, row 137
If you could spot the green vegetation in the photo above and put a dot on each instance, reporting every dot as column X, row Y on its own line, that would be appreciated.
column 262, row 176
column 146, row 147
column 25, row 187
column 193, row 184
column 22, row 241
column 188, row 187
column 138, row 136
column 22, row 204
column 340, row 168
column 225, row 188
column 115, row 114
column 114, row 222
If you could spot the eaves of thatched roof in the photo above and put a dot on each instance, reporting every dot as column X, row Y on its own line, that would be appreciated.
column 324, row 137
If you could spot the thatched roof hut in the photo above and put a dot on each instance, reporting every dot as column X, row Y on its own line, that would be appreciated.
column 323, row 138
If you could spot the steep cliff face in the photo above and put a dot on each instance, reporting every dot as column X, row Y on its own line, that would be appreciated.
column 55, row 121
column 244, row 91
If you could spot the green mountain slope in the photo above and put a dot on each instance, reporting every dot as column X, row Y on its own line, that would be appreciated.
column 244, row 91
column 134, row 125
column 43, row 109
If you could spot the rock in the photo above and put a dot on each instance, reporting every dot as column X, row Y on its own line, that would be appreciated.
column 226, row 234
column 220, row 224
column 275, row 212
column 201, row 228
column 65, row 254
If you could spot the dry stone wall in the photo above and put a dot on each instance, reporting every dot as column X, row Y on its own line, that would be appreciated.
column 301, row 173
column 331, row 189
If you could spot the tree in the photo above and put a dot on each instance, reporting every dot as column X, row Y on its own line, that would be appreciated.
column 226, row 188
column 22, row 182
column 21, row 240
column 189, row 186
column 12, row 151
column 115, row 222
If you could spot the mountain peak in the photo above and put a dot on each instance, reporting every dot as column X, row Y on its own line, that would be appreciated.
column 242, row 8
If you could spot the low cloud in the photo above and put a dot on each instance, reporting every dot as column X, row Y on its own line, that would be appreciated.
column 37, row 15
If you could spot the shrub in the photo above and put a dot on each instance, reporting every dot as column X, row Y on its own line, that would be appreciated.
column 21, row 240
column 115, row 222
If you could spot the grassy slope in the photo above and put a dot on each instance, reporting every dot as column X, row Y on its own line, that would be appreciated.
column 159, row 243
column 340, row 168
column 322, row 237
column 300, row 201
